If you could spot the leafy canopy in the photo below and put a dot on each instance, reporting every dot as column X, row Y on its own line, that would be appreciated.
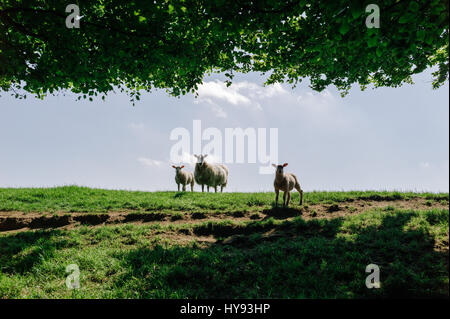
column 140, row 45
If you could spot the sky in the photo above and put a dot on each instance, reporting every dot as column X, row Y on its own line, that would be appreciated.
column 377, row 139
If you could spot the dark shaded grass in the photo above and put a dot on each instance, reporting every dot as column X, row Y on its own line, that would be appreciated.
column 268, row 259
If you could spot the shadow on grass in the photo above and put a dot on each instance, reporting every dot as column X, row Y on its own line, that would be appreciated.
column 280, row 212
column 297, row 259
column 179, row 194
column 20, row 252
column 293, row 259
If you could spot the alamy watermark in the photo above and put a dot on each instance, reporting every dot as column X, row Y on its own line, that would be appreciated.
column 229, row 149
column 73, row 19
column 373, row 280
column 73, row 279
column 373, row 19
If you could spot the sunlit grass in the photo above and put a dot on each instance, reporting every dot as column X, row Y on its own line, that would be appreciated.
column 83, row 199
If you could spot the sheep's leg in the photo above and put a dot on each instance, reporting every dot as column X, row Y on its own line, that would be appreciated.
column 203, row 188
column 276, row 197
column 288, row 197
column 178, row 187
column 300, row 191
column 215, row 189
column 184, row 187
column 221, row 188
column 284, row 198
column 207, row 188
column 192, row 187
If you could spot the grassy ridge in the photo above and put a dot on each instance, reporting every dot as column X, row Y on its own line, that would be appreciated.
column 83, row 199
column 264, row 259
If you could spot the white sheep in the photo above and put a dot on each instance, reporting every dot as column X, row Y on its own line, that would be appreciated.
column 184, row 178
column 285, row 182
column 211, row 175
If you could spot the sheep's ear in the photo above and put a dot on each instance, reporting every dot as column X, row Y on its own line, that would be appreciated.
column 174, row 166
column 285, row 164
column 274, row 165
column 182, row 166
column 206, row 155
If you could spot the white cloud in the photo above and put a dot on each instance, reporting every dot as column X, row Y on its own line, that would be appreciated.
column 149, row 162
column 218, row 90
column 318, row 101
column 241, row 94
column 256, row 91
column 215, row 108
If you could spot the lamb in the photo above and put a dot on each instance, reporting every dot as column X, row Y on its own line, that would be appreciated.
column 285, row 182
column 211, row 175
column 184, row 178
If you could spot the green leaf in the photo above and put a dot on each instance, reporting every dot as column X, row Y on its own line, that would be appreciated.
column 404, row 19
column 356, row 12
column 379, row 52
column 372, row 42
column 413, row 6
column 343, row 29
column 420, row 35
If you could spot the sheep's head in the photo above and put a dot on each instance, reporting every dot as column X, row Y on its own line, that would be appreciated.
column 178, row 168
column 200, row 159
column 280, row 168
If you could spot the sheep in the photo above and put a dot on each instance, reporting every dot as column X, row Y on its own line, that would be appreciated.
column 211, row 175
column 184, row 178
column 285, row 182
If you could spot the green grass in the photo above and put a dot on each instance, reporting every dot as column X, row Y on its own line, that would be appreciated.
column 265, row 256
column 304, row 259
column 83, row 199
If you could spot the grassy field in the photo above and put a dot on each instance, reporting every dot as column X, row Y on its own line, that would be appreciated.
column 231, row 245
column 83, row 199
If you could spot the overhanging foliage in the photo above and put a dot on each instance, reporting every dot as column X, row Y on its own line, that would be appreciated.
column 140, row 45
